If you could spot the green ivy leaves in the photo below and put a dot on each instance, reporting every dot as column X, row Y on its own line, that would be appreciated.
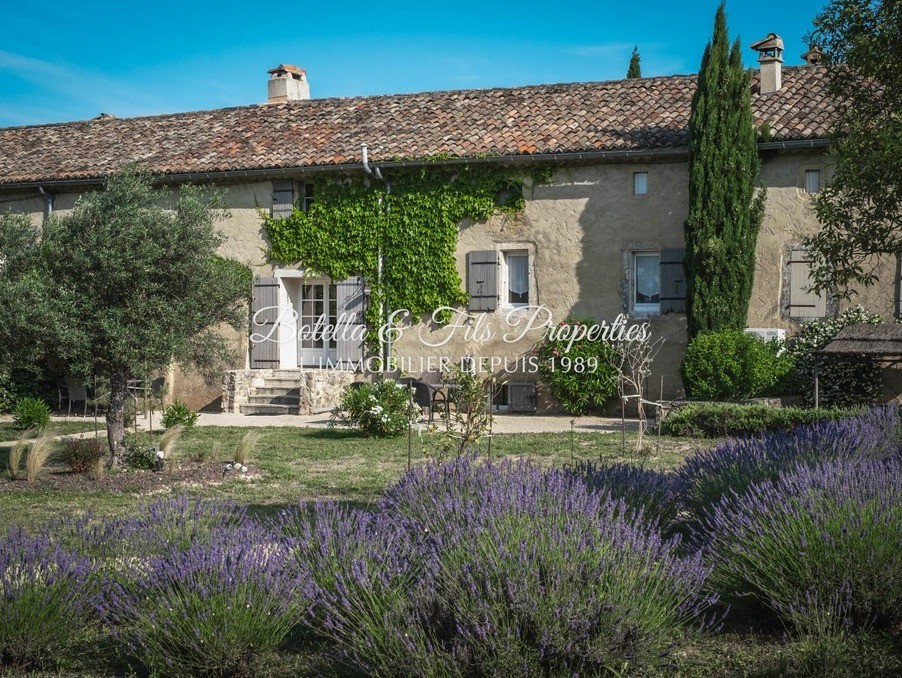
column 415, row 227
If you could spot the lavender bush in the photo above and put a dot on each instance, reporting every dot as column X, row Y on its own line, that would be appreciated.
column 819, row 546
column 655, row 493
column 47, row 597
column 209, row 609
column 366, row 570
column 737, row 464
column 470, row 569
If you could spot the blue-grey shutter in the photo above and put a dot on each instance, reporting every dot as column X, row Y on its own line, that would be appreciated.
column 673, row 281
column 351, row 324
column 282, row 199
column 264, row 334
column 803, row 303
column 482, row 280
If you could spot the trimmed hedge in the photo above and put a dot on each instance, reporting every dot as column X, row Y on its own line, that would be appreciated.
column 718, row 420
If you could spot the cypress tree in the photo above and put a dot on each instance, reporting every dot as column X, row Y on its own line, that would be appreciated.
column 635, row 69
column 725, row 206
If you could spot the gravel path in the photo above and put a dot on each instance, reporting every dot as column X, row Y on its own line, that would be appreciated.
column 503, row 423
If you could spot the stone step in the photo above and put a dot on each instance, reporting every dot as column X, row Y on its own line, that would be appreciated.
column 262, row 399
column 269, row 410
column 276, row 391
column 273, row 382
column 286, row 374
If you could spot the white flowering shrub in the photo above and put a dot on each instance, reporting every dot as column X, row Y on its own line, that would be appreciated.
column 380, row 410
column 843, row 382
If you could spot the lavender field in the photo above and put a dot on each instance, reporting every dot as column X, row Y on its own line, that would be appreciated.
column 773, row 555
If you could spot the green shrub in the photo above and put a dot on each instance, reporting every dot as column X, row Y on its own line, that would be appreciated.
column 380, row 410
column 81, row 454
column 139, row 454
column 31, row 413
column 179, row 413
column 733, row 365
column 579, row 373
column 843, row 382
column 718, row 420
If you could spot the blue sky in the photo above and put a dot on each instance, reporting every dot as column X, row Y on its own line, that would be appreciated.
column 72, row 60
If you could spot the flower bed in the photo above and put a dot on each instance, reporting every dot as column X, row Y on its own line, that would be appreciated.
column 475, row 568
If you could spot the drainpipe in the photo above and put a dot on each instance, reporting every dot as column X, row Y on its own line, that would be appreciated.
column 48, row 203
column 385, row 310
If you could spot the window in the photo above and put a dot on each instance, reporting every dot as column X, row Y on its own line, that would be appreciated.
column 282, row 199
column 516, row 278
column 812, row 181
column 646, row 282
column 640, row 183
column 307, row 200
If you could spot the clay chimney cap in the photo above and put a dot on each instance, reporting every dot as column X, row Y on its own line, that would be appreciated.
column 287, row 68
column 771, row 42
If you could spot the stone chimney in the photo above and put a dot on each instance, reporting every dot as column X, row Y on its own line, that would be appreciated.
column 287, row 83
column 770, row 56
column 813, row 56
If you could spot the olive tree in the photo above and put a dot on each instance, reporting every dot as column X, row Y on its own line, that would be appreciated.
column 123, row 287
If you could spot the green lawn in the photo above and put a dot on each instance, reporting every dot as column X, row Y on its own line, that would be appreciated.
column 292, row 464
column 56, row 428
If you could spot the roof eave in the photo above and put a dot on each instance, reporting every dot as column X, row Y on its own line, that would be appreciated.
column 628, row 155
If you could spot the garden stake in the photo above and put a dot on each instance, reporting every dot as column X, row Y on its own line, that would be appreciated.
column 572, row 442
column 622, row 425
column 409, row 426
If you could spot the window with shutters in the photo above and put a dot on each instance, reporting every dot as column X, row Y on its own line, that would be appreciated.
column 801, row 302
column 812, row 181
column 646, row 282
column 640, row 183
column 515, row 278
column 282, row 199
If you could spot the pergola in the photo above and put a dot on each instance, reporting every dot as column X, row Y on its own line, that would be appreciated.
column 881, row 344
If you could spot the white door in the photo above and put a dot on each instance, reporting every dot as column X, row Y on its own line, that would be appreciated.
column 317, row 308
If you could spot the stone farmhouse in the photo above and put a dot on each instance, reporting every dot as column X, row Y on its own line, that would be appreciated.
column 603, row 237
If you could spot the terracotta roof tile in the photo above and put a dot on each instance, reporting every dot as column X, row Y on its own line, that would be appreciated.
column 643, row 114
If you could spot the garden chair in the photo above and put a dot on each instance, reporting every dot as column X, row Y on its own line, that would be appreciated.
column 76, row 392
column 423, row 397
column 440, row 389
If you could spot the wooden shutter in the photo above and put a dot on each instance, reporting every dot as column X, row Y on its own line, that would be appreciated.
column 482, row 280
column 673, row 281
column 521, row 397
column 351, row 325
column 282, row 199
column 803, row 303
column 264, row 335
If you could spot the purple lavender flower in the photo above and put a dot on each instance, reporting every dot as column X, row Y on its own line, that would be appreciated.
column 485, row 568
column 739, row 463
column 819, row 546
column 210, row 608
column 47, row 599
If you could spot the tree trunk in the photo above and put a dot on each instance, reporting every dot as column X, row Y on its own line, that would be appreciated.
column 115, row 419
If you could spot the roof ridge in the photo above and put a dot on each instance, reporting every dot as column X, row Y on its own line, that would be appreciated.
column 627, row 82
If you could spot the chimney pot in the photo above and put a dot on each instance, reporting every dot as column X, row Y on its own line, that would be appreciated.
column 287, row 83
column 813, row 56
column 770, row 58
